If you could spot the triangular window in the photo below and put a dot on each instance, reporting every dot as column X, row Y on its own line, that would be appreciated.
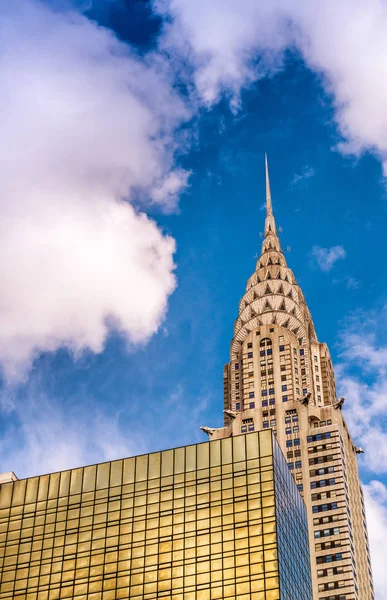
column 267, row 306
column 269, row 262
column 282, row 307
column 267, row 290
column 268, row 276
column 280, row 289
column 286, row 324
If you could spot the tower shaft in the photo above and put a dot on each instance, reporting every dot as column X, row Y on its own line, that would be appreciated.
column 281, row 377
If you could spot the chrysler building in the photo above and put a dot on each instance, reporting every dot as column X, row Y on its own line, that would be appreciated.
column 280, row 376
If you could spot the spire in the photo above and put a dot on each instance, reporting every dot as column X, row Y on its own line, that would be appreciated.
column 269, row 207
column 269, row 221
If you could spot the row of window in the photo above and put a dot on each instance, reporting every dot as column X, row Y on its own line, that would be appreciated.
column 322, row 471
column 295, row 442
column 297, row 465
column 326, row 532
column 322, row 483
column 324, row 507
column 319, row 436
column 329, row 558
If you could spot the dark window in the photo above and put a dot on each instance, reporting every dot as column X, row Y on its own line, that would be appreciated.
column 296, row 441
column 238, row 406
column 264, row 392
column 288, row 430
column 271, row 391
column 250, row 345
column 284, row 388
column 302, row 352
column 251, row 427
column 284, row 398
column 251, row 394
column 289, row 443
column 272, row 401
column 269, row 351
column 244, row 429
column 298, row 464
column 252, row 404
column 281, row 348
column 264, row 403
column 300, row 487
column 249, row 355
column 291, row 466
column 236, row 366
column 271, row 330
column 262, row 353
column 265, row 424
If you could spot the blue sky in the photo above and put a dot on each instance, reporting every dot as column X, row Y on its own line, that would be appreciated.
column 111, row 342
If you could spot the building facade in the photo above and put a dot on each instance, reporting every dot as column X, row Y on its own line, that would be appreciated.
column 281, row 377
column 203, row 522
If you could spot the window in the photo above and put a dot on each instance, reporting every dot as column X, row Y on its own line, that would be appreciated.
column 272, row 401
column 250, row 345
column 252, row 404
column 236, row 366
column 272, row 423
column 296, row 441
column 265, row 424
column 305, row 391
column 289, row 454
column 244, row 429
column 284, row 388
column 271, row 329
column 269, row 352
column 251, row 427
column 315, row 358
column 300, row 487
column 284, row 398
column 281, row 339
column 296, row 429
column 238, row 406
column 298, row 464
column 271, row 391
column 283, row 377
column 288, row 430
column 282, row 348
column 291, row 466
column 289, row 443
column 264, row 393
column 287, row 419
column 272, row 411
column 251, row 394
column 262, row 353
column 302, row 352
column 265, row 403
column 265, row 413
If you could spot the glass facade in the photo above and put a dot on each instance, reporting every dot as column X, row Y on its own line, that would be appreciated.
column 221, row 519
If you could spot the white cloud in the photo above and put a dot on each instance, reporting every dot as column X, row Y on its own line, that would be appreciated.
column 362, row 379
column 51, row 437
column 325, row 258
column 375, row 496
column 299, row 178
column 87, row 126
column 232, row 43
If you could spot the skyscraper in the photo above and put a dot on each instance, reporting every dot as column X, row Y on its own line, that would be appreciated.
column 211, row 521
column 281, row 377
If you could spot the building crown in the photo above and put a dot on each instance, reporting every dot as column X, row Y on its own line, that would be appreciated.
column 272, row 294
